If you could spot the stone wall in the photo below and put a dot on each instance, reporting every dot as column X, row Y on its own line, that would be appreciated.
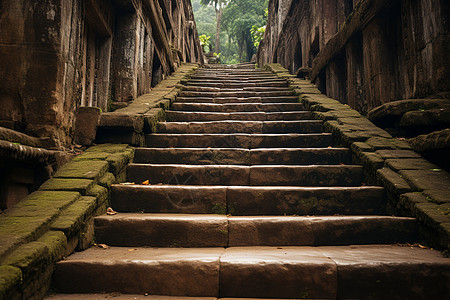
column 363, row 53
column 58, row 55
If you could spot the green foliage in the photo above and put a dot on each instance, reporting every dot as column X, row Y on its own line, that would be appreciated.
column 238, row 19
column 257, row 34
column 239, row 16
column 205, row 42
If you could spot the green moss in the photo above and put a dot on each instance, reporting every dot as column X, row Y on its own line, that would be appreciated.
column 118, row 161
column 107, row 180
column 72, row 218
column 94, row 155
column 68, row 184
column 219, row 209
column 100, row 193
column 83, row 169
column 108, row 148
column 56, row 242
column 10, row 277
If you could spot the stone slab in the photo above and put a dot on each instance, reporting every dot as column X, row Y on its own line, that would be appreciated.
column 169, row 199
column 238, row 107
column 167, row 271
column 389, row 271
column 305, row 200
column 427, row 179
column 197, row 156
column 287, row 272
column 248, row 141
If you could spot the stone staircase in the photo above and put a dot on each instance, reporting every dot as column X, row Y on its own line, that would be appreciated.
column 247, row 197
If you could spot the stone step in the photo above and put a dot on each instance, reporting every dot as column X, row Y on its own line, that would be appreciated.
column 146, row 296
column 274, row 175
column 238, row 107
column 248, row 200
column 187, row 116
column 236, row 94
column 240, row 140
column 244, row 77
column 227, row 156
column 179, row 230
column 304, row 126
column 236, row 100
column 208, row 88
column 235, row 84
column 350, row 272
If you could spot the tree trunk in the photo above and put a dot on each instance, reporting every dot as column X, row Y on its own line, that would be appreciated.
column 219, row 21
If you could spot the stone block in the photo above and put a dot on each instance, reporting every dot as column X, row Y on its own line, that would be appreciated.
column 408, row 201
column 107, row 180
column 372, row 160
column 431, row 214
column 87, row 119
column 359, row 147
column 100, row 193
column 122, row 121
column 71, row 220
column 68, row 184
column 105, row 148
column 393, row 181
column 437, row 196
column 410, row 164
column 427, row 179
column 10, row 280
column 83, row 169
column 388, row 154
column 380, row 143
column 118, row 161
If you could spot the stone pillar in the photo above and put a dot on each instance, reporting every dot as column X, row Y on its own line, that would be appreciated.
column 355, row 77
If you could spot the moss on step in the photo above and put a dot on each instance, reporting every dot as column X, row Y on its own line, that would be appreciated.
column 10, row 279
column 83, row 169
column 72, row 218
column 68, row 184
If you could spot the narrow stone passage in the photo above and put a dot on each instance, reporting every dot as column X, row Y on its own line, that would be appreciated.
column 248, row 197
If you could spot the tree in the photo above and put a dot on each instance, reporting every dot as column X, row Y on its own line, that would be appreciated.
column 238, row 18
column 219, row 5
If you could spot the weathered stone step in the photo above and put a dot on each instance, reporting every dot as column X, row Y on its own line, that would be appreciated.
column 352, row 272
column 250, row 77
column 274, row 175
column 238, row 107
column 236, row 100
column 248, row 200
column 304, row 126
column 236, row 84
column 224, row 156
column 187, row 116
column 236, row 94
column 239, row 140
column 179, row 230
column 119, row 296
column 207, row 88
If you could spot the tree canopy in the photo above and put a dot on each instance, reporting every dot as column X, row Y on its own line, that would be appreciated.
column 238, row 19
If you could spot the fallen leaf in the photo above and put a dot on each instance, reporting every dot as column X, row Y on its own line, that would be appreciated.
column 132, row 250
column 127, row 183
column 110, row 211
column 147, row 182
column 423, row 247
column 102, row 246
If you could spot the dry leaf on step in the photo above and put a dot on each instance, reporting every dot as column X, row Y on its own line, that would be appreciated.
column 110, row 211
column 102, row 246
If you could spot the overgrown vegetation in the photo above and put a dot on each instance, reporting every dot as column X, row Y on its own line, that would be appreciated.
column 241, row 28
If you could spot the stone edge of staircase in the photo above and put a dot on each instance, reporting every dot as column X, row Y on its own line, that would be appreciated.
column 79, row 191
column 34, row 237
column 142, row 115
column 415, row 187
